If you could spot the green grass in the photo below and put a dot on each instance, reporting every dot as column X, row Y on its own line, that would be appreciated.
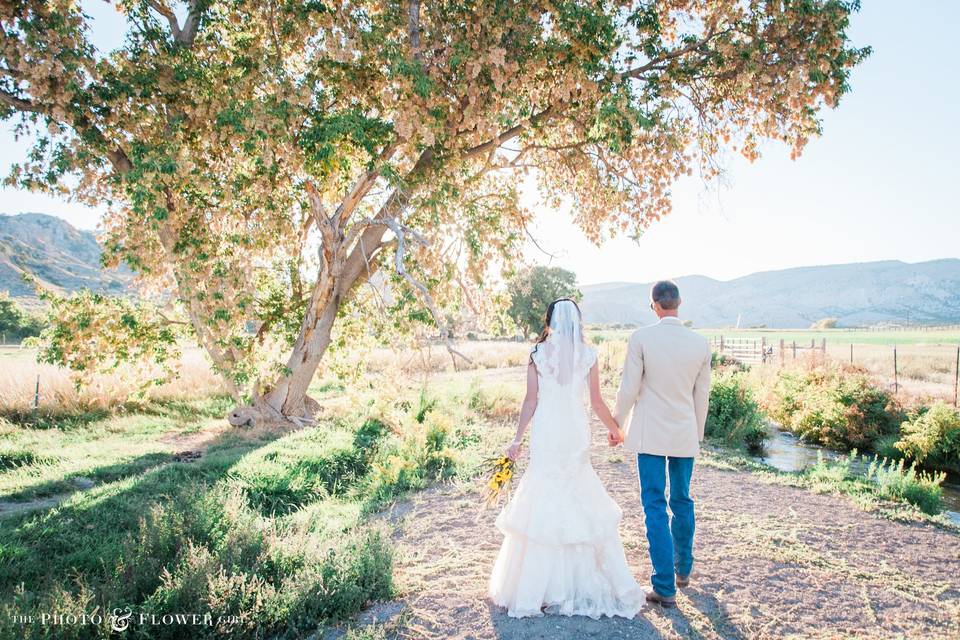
column 268, row 531
column 886, row 487
column 105, row 448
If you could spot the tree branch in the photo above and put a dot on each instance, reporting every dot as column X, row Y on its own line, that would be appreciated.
column 413, row 27
column 166, row 12
column 20, row 104
column 401, row 231
column 362, row 188
column 509, row 134
column 184, row 36
column 636, row 72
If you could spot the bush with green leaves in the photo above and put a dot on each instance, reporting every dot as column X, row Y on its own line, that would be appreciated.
column 734, row 418
column 15, row 323
column 885, row 479
column 834, row 406
column 931, row 437
column 896, row 481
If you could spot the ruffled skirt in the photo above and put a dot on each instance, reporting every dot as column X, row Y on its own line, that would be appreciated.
column 561, row 551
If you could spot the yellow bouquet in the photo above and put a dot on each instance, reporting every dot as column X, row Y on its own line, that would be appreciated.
column 501, row 472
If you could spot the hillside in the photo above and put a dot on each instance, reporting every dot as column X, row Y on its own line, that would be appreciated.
column 66, row 259
column 856, row 294
column 61, row 257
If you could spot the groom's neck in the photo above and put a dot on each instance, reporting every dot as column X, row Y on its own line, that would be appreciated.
column 668, row 313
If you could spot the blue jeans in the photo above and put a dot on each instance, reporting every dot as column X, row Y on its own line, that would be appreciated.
column 671, row 542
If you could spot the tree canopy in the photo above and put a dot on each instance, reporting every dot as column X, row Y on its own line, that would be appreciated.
column 15, row 323
column 261, row 160
column 533, row 289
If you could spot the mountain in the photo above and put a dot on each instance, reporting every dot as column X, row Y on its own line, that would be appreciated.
column 856, row 294
column 66, row 259
column 60, row 256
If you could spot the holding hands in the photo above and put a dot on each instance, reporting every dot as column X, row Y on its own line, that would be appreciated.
column 614, row 436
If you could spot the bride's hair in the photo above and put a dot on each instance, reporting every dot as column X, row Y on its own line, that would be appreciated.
column 545, row 332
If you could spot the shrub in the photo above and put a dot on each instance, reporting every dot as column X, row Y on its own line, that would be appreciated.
column 493, row 404
column 824, row 323
column 718, row 361
column 836, row 407
column 932, row 437
column 733, row 416
column 412, row 460
column 895, row 482
column 830, row 474
column 886, row 447
column 15, row 323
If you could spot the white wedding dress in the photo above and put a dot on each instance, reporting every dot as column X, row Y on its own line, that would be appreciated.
column 561, row 551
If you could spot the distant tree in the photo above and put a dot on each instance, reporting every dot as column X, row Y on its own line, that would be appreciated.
column 825, row 323
column 688, row 323
column 15, row 323
column 533, row 289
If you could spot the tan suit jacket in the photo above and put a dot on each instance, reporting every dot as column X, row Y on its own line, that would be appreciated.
column 666, row 384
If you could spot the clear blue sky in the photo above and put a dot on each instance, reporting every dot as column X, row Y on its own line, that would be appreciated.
column 880, row 184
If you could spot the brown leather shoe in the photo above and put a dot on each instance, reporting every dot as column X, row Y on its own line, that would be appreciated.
column 666, row 602
column 683, row 581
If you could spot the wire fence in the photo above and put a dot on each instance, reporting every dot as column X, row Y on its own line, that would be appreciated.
column 937, row 365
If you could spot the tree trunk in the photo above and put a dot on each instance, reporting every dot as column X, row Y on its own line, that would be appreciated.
column 287, row 400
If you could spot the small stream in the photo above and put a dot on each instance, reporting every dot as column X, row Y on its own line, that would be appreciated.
column 784, row 451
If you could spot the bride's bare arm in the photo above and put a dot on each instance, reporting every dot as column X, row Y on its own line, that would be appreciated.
column 601, row 408
column 526, row 411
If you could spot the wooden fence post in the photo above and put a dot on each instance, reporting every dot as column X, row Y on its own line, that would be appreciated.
column 956, row 380
column 36, row 395
column 794, row 349
column 851, row 353
column 896, row 381
column 783, row 351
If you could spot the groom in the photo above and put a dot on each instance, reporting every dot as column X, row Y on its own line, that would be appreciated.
column 666, row 383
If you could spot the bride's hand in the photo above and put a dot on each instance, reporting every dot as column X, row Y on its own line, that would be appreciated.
column 513, row 450
column 615, row 437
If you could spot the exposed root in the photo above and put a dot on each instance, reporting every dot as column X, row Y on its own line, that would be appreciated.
column 262, row 413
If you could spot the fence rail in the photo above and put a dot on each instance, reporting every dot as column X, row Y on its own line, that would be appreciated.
column 760, row 351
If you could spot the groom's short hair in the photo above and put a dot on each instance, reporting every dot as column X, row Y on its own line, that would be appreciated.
column 666, row 294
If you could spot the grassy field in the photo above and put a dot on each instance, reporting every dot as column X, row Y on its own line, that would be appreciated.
column 926, row 363
column 156, row 505
column 164, row 508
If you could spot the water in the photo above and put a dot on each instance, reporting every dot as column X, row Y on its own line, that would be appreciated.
column 786, row 452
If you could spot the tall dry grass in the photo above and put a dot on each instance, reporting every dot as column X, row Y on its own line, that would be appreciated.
column 433, row 358
column 20, row 375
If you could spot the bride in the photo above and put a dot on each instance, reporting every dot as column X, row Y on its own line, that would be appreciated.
column 561, row 551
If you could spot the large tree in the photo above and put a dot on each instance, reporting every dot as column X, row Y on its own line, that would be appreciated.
column 262, row 159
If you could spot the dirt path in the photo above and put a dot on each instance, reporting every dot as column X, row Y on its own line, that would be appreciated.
column 772, row 561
